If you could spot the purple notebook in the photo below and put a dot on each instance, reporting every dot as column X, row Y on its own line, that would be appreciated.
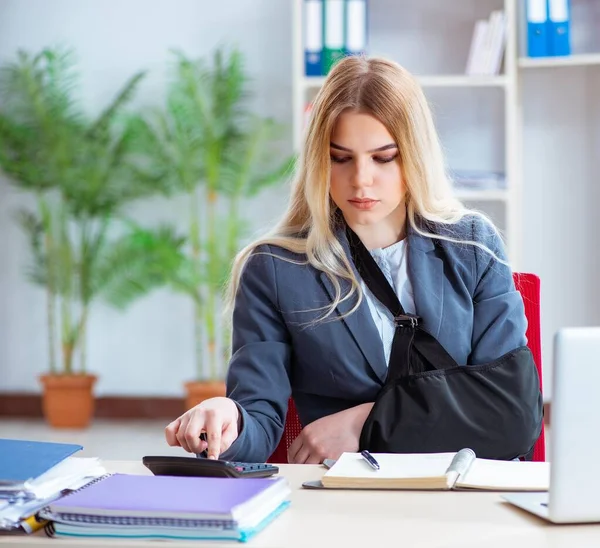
column 170, row 496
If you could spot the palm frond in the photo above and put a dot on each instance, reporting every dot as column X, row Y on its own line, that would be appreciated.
column 138, row 262
column 17, row 144
column 61, row 82
column 279, row 173
column 36, row 271
column 108, row 117
column 38, row 89
column 255, row 161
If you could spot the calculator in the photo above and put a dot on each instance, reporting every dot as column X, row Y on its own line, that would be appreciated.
column 201, row 467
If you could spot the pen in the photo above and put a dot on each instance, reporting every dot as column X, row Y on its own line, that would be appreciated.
column 369, row 458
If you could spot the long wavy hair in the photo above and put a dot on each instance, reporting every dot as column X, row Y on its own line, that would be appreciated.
column 389, row 93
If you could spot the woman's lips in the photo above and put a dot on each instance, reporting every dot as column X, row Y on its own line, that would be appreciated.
column 364, row 203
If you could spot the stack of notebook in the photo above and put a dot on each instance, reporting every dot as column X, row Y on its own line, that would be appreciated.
column 34, row 473
column 169, row 507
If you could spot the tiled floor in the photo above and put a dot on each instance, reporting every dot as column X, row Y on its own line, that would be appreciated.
column 109, row 440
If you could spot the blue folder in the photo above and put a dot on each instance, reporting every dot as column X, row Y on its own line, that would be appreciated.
column 559, row 35
column 537, row 28
column 22, row 460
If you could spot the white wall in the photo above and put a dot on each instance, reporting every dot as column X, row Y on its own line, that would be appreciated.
column 149, row 349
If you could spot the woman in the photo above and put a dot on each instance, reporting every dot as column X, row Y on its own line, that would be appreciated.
column 304, row 322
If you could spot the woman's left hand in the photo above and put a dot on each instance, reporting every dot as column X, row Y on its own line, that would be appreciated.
column 329, row 437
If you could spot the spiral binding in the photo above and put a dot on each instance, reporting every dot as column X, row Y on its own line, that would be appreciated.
column 49, row 529
column 45, row 513
column 143, row 521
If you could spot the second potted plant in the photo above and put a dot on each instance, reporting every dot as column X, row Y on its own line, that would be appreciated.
column 210, row 145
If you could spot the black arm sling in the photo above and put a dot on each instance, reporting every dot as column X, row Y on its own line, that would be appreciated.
column 431, row 404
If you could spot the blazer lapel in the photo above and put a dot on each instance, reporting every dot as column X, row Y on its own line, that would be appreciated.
column 361, row 326
column 426, row 273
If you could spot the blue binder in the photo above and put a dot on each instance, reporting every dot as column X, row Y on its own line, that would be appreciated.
column 313, row 38
column 22, row 460
column 559, row 32
column 537, row 28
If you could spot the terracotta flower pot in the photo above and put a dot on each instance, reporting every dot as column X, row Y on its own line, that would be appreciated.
column 68, row 400
column 198, row 391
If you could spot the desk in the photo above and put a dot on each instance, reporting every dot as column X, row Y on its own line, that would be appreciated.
column 344, row 519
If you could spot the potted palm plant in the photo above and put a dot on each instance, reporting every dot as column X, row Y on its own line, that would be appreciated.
column 209, row 145
column 82, row 173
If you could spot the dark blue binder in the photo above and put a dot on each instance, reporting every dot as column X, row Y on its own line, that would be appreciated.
column 22, row 460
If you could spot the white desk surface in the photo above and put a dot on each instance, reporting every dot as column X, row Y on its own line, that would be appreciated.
column 367, row 519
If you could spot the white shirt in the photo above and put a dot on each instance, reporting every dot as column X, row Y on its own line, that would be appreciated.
column 392, row 262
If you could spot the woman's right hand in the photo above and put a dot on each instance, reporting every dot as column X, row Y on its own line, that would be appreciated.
column 217, row 417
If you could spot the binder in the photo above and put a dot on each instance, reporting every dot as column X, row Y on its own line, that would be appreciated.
column 559, row 33
column 356, row 27
column 476, row 49
column 537, row 29
column 23, row 460
column 333, row 35
column 313, row 37
column 497, row 42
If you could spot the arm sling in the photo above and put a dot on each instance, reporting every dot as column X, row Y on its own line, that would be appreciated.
column 430, row 404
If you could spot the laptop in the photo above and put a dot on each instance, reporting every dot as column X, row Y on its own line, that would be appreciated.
column 574, row 494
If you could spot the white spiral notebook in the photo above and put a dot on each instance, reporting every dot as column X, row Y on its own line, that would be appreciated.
column 436, row 471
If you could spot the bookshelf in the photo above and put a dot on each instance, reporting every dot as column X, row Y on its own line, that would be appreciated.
column 398, row 29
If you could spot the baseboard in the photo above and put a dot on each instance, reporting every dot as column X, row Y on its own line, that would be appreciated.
column 117, row 407
column 107, row 407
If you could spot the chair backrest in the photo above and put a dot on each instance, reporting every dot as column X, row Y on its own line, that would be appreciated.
column 529, row 287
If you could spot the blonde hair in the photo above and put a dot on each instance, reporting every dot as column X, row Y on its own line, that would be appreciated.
column 388, row 92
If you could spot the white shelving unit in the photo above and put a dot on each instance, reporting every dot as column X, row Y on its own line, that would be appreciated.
column 441, row 79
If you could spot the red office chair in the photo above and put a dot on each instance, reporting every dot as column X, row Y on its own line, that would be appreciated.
column 529, row 287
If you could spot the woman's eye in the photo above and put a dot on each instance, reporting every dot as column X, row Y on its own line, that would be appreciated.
column 340, row 159
column 385, row 159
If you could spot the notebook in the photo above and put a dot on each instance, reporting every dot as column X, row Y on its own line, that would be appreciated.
column 18, row 508
column 22, row 461
column 436, row 471
column 170, row 507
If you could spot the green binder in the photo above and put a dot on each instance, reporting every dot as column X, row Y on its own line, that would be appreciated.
column 334, row 16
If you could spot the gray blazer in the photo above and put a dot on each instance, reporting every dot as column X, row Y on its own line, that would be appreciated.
column 466, row 299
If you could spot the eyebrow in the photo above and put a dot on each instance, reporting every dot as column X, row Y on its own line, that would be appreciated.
column 379, row 149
